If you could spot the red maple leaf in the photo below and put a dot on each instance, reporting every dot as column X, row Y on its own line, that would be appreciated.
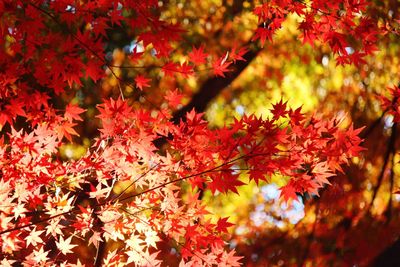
column 223, row 225
column 279, row 110
column 197, row 56
column 170, row 69
column 307, row 27
column 72, row 112
column 263, row 12
column 296, row 116
column 141, row 82
column 94, row 70
column 220, row 66
column 174, row 98
column 237, row 54
column 263, row 33
column 225, row 182
column 288, row 192
column 186, row 70
column 65, row 129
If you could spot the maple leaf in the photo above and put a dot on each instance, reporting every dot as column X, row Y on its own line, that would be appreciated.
column 307, row 27
column 40, row 255
column 279, row 109
column 19, row 211
column 236, row 54
column 170, row 69
column 151, row 238
column 7, row 263
column 65, row 246
column 257, row 175
column 174, row 98
column 296, row 117
column 288, row 192
column 263, row 34
column 337, row 42
column 353, row 147
column 34, row 237
column 65, row 129
column 99, row 192
column 72, row 112
column 94, row 70
column 343, row 60
column 225, row 182
column 95, row 239
column 229, row 259
column 16, row 108
column 11, row 111
column 263, row 12
column 115, row 17
column 322, row 173
column 220, row 66
column 357, row 58
column 186, row 70
column 197, row 56
column 223, row 225
column 141, row 82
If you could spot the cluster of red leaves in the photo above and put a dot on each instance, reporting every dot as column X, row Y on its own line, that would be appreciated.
column 307, row 151
column 47, row 205
column 392, row 104
column 54, row 45
column 340, row 24
column 39, row 192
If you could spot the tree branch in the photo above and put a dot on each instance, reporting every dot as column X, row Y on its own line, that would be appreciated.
column 389, row 151
column 389, row 257
column 214, row 86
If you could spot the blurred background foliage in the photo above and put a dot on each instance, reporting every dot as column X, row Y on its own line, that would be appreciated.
column 346, row 222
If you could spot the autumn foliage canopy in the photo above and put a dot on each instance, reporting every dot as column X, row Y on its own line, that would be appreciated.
column 137, row 191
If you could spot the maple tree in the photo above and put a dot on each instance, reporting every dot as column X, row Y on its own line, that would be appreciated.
column 138, row 188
